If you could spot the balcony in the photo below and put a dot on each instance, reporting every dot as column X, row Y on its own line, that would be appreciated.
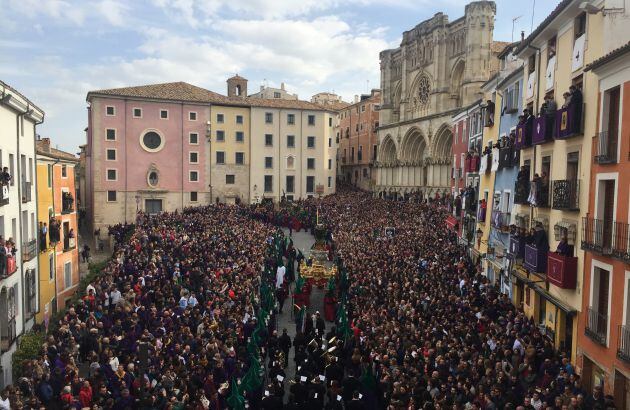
column 623, row 344
column 517, row 247
column 10, row 266
column 607, row 238
column 69, row 244
column 4, row 195
column 543, row 130
column 472, row 164
column 566, row 195
column 521, row 191
column 606, row 148
column 26, row 192
column 29, row 250
column 569, row 121
column 500, row 220
column 506, row 158
column 535, row 259
column 485, row 164
column 67, row 203
column 596, row 326
column 562, row 270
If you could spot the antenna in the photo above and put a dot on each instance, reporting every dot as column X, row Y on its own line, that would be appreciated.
column 531, row 29
column 513, row 23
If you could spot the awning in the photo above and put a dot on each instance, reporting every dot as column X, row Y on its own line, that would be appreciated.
column 451, row 221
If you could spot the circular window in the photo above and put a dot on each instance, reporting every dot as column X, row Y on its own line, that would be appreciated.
column 151, row 141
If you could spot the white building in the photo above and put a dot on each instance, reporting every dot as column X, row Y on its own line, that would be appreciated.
column 19, row 275
column 292, row 152
column 271, row 93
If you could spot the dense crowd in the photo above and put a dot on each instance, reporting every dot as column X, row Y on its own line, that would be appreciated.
column 421, row 328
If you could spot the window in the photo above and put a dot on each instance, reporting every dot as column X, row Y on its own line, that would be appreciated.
column 329, row 142
column 220, row 135
column 111, row 175
column 268, row 162
column 152, row 141
column 193, row 176
column 164, row 114
column 229, row 179
column 192, row 116
column 290, row 183
column 240, row 137
column 67, row 275
column 363, row 108
column 365, row 172
column 290, row 141
column 329, row 182
column 268, row 117
column 111, row 155
column 579, row 25
column 310, row 142
column 268, row 183
column 310, row 163
column 239, row 119
column 110, row 111
column 360, row 153
column 329, row 163
column 137, row 113
column 220, row 157
column 220, row 118
column 276, row 94
column 310, row 184
column 110, row 134
column 268, row 140
column 30, row 292
column 290, row 119
column 239, row 158
column 290, row 162
column 153, row 178
column 111, row 196
column 193, row 157
column 193, row 196
column 64, row 171
column 51, row 267
column 193, row 138
column 50, row 178
column 311, row 120
column 330, row 121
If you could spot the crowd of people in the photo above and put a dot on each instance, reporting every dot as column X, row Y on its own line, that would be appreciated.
column 170, row 322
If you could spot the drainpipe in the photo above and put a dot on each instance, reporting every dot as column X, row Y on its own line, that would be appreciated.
column 279, row 156
column 52, row 178
column 198, row 175
column 126, row 168
column 19, row 174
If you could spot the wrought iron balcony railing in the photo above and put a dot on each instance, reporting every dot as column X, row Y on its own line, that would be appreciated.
column 606, row 148
column 606, row 237
column 67, row 203
column 566, row 194
column 596, row 326
column 500, row 220
column 7, row 339
column 623, row 343
column 69, row 244
column 521, row 191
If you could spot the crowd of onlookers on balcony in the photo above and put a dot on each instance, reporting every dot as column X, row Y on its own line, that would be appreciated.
column 7, row 256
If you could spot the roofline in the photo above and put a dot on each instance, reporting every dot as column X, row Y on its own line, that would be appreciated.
column 555, row 13
column 21, row 103
column 509, row 77
column 465, row 110
column 50, row 155
column 609, row 58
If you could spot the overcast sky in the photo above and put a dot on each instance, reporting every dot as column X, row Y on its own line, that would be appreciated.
column 55, row 51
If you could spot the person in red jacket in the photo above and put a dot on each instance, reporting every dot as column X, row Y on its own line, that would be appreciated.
column 85, row 395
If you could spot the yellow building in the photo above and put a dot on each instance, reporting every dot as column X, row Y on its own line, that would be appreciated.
column 55, row 176
column 556, row 156
column 229, row 153
column 489, row 166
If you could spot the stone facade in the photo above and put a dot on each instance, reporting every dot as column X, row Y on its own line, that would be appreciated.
column 438, row 68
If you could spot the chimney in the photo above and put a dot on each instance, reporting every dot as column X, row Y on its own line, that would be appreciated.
column 356, row 98
column 282, row 86
column 45, row 144
column 522, row 35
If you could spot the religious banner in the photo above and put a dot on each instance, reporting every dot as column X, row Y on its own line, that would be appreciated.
column 540, row 130
column 519, row 142
column 531, row 83
column 484, row 164
column 549, row 75
column 565, row 122
column 578, row 53
column 495, row 160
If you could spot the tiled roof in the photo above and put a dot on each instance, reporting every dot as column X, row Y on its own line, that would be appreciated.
column 334, row 105
column 45, row 149
column 499, row 46
column 13, row 90
column 561, row 6
column 181, row 91
column 618, row 52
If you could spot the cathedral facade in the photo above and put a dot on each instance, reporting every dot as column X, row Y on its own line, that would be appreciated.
column 438, row 69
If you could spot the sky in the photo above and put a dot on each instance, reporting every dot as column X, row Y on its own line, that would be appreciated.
column 55, row 51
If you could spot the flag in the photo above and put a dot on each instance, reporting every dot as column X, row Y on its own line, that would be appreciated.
column 236, row 401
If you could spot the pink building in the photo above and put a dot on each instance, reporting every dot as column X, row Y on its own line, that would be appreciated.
column 146, row 150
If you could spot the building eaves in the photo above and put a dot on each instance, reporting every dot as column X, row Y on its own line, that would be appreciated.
column 555, row 13
column 618, row 52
